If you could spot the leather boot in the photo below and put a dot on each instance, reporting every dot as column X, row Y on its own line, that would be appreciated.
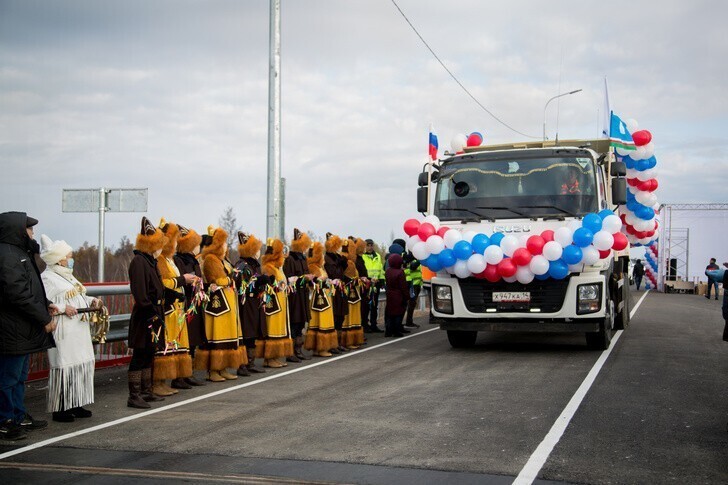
column 214, row 376
column 272, row 363
column 227, row 376
column 299, row 349
column 147, row 393
column 180, row 383
column 167, row 388
column 193, row 382
column 251, row 362
column 159, row 389
column 243, row 371
column 135, row 391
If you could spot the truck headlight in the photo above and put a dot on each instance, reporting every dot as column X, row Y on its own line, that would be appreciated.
column 589, row 298
column 442, row 299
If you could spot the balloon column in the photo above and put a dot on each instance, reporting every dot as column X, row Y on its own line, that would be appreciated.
column 651, row 267
column 638, row 214
column 460, row 141
column 551, row 254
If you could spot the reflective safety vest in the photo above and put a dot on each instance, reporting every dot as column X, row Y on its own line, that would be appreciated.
column 375, row 267
column 413, row 276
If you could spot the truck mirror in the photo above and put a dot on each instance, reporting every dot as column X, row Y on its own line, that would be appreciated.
column 422, row 199
column 619, row 191
column 422, row 179
column 618, row 169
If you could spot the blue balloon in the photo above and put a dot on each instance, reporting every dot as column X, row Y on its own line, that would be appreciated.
column 653, row 162
column 604, row 213
column 644, row 212
column 496, row 238
column 446, row 258
column 462, row 250
column 583, row 237
column 480, row 242
column 642, row 165
column 592, row 222
column 433, row 262
column 628, row 162
column 558, row 269
column 542, row 277
column 572, row 254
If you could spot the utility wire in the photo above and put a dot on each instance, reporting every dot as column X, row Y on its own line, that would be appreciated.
column 457, row 80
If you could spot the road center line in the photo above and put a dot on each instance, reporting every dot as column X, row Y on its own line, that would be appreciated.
column 167, row 407
column 537, row 460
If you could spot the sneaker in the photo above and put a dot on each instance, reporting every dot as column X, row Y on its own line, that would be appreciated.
column 32, row 424
column 12, row 432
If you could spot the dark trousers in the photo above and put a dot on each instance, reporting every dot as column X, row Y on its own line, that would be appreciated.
column 13, row 374
column 712, row 283
column 412, row 303
column 370, row 309
column 141, row 359
column 393, row 324
column 637, row 281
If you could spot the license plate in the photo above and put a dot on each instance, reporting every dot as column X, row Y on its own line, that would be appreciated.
column 511, row 297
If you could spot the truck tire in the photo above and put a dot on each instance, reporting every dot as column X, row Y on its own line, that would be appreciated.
column 621, row 319
column 601, row 339
column 462, row 339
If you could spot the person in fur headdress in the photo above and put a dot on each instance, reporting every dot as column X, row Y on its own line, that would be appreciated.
column 252, row 289
column 222, row 321
column 188, row 248
column 174, row 361
column 353, row 332
column 321, row 337
column 294, row 267
column 147, row 317
column 335, row 264
column 277, row 344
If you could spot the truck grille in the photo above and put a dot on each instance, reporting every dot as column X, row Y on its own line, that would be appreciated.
column 548, row 296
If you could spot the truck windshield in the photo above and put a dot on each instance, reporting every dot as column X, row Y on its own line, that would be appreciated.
column 524, row 188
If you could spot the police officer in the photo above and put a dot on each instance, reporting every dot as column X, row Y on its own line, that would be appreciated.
column 413, row 275
column 375, row 271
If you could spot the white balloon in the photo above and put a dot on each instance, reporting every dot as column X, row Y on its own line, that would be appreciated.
column 523, row 240
column 419, row 251
column 461, row 269
column 539, row 265
column 412, row 241
column 632, row 173
column 574, row 225
column 469, row 235
column 509, row 244
column 452, row 237
column 642, row 197
column 476, row 263
column 657, row 205
column 435, row 244
column 646, row 175
column 575, row 268
column 524, row 275
column 640, row 153
column 623, row 152
column 510, row 279
column 564, row 236
column 552, row 250
column 651, row 200
column 458, row 142
column 603, row 240
column 649, row 150
column 632, row 125
column 590, row 255
column 612, row 224
column 432, row 219
column 493, row 254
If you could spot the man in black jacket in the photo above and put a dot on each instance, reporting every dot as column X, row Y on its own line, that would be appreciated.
column 25, row 320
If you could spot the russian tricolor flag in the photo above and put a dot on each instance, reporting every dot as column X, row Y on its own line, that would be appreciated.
column 433, row 144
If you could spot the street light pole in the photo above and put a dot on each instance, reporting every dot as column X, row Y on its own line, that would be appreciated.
column 547, row 104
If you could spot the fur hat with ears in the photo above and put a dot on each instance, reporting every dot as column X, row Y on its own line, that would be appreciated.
column 333, row 243
column 301, row 242
column 171, row 232
column 150, row 238
column 188, row 240
column 249, row 245
column 315, row 259
column 361, row 246
column 217, row 245
column 51, row 252
column 273, row 257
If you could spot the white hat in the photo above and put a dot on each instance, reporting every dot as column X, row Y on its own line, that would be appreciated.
column 53, row 251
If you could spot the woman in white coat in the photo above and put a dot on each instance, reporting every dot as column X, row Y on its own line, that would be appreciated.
column 71, row 378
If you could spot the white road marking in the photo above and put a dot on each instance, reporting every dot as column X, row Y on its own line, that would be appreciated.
column 143, row 414
column 537, row 460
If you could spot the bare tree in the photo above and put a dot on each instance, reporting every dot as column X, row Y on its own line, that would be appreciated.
column 229, row 222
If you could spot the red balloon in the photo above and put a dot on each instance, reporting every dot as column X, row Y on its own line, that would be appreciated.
column 535, row 244
column 620, row 241
column 425, row 230
column 491, row 273
column 633, row 182
column 548, row 235
column 653, row 185
column 507, row 268
column 641, row 137
column 443, row 229
column 644, row 186
column 605, row 253
column 630, row 229
column 411, row 226
column 480, row 276
column 624, row 218
column 522, row 256
column 475, row 140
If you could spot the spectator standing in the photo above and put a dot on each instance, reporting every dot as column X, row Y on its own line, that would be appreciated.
column 413, row 275
column 397, row 297
column 725, row 304
column 25, row 321
column 638, row 272
column 711, row 281
column 375, row 271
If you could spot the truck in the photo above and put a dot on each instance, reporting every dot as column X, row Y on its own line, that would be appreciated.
column 527, row 188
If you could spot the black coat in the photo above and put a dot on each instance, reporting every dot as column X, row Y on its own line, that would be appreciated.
column 298, row 302
column 335, row 265
column 23, row 302
column 148, row 292
column 188, row 264
column 251, row 311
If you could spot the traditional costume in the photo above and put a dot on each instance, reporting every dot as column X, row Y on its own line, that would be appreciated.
column 277, row 343
column 147, row 318
column 295, row 267
column 335, row 264
column 71, row 377
column 353, row 330
column 321, row 335
column 252, row 286
column 222, row 322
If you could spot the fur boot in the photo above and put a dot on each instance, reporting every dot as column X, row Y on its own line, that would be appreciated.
column 135, row 391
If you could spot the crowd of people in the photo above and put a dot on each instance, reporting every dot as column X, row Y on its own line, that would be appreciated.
column 192, row 310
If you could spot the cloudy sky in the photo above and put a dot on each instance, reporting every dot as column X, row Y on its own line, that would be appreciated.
column 172, row 95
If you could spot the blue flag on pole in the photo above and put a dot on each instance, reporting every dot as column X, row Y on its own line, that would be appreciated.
column 619, row 135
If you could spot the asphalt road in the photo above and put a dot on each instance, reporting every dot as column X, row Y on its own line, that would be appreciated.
column 416, row 411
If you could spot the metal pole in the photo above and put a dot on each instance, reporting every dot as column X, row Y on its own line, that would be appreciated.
column 547, row 104
column 274, row 122
column 102, row 222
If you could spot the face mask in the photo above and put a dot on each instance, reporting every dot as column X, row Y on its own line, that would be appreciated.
column 69, row 264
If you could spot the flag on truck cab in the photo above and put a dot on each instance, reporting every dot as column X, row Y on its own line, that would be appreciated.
column 619, row 135
column 433, row 144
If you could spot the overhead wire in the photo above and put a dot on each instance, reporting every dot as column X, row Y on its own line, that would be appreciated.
column 496, row 118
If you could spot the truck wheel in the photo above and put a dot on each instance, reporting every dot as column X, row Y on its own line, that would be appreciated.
column 601, row 339
column 461, row 339
column 621, row 319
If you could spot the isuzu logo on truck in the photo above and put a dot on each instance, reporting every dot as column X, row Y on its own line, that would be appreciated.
column 513, row 228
